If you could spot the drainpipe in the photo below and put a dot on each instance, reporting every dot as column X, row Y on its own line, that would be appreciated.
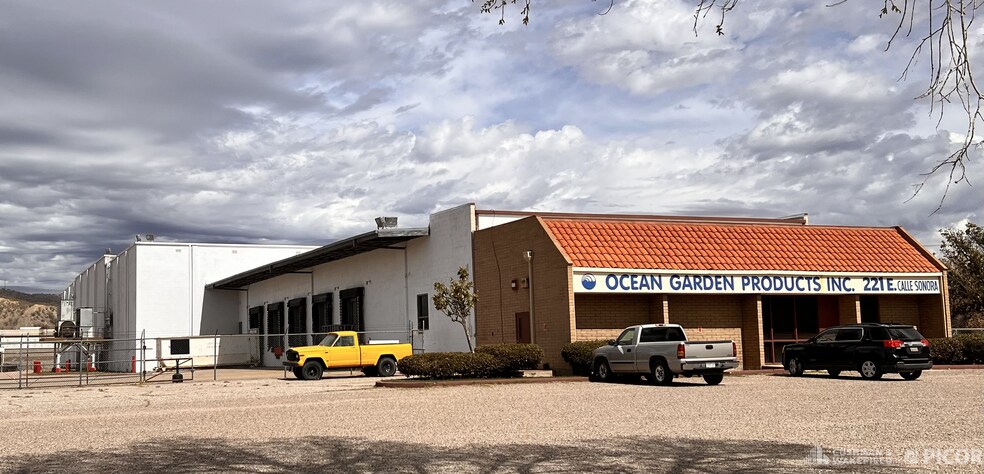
column 528, row 255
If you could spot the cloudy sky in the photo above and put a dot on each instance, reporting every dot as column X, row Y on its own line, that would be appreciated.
column 298, row 122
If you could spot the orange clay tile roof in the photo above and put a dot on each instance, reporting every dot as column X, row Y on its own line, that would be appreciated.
column 689, row 246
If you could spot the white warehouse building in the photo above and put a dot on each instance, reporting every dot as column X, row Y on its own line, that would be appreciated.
column 379, row 282
column 157, row 289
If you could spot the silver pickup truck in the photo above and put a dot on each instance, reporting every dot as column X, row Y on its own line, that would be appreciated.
column 661, row 352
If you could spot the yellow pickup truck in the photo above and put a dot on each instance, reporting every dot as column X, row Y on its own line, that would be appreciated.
column 341, row 350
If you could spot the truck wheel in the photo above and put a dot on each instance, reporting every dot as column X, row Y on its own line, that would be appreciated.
column 661, row 374
column 604, row 371
column 794, row 366
column 911, row 375
column 312, row 370
column 713, row 379
column 869, row 370
column 297, row 372
column 386, row 367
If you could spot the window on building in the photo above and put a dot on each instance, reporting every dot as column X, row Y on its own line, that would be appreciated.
column 180, row 346
column 256, row 319
column 786, row 320
column 869, row 309
column 423, row 312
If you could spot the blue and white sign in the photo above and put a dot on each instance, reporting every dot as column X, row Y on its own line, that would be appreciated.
column 598, row 281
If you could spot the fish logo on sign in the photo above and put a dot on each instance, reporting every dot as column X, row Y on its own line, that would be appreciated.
column 588, row 281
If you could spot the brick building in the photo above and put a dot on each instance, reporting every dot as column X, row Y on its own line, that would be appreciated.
column 553, row 278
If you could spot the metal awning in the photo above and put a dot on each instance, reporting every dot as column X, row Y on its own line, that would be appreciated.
column 378, row 239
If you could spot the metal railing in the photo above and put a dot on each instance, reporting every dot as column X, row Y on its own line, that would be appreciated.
column 36, row 362
column 41, row 362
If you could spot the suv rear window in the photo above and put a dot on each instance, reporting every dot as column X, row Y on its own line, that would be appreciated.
column 905, row 334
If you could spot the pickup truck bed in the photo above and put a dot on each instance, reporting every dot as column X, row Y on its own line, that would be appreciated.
column 660, row 352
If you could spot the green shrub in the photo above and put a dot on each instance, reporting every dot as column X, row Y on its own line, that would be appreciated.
column 578, row 354
column 946, row 350
column 450, row 365
column 514, row 357
column 959, row 349
column 972, row 346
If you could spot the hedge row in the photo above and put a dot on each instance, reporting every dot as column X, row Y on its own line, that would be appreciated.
column 959, row 349
column 578, row 354
column 514, row 357
column 500, row 360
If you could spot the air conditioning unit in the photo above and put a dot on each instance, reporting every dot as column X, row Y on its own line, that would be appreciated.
column 84, row 317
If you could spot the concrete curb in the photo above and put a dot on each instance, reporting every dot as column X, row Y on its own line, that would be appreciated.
column 783, row 371
column 414, row 383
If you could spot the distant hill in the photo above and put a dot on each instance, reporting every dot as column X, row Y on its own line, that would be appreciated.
column 26, row 310
column 48, row 299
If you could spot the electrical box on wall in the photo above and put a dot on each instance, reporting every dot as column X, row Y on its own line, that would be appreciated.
column 524, row 282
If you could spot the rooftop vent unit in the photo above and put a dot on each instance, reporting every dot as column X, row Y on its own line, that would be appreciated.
column 385, row 222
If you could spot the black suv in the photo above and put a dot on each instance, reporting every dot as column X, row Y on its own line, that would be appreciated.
column 869, row 348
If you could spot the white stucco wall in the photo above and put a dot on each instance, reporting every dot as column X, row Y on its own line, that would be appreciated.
column 391, row 280
column 157, row 289
column 171, row 279
column 437, row 258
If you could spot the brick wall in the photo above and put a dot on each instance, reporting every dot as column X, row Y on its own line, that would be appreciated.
column 709, row 317
column 932, row 318
column 902, row 309
column 498, row 259
column 850, row 309
column 596, row 334
column 609, row 311
column 753, row 352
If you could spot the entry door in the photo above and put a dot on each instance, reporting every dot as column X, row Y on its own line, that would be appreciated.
column 523, row 328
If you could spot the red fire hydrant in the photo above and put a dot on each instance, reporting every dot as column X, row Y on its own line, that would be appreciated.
column 37, row 367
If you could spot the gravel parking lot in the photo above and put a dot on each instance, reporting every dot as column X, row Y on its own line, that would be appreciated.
column 759, row 423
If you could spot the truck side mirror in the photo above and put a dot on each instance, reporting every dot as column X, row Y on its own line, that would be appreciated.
column 611, row 342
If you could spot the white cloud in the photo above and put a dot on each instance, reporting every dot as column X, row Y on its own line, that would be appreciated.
column 300, row 122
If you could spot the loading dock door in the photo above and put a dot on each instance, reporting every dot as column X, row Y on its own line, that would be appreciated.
column 351, row 310
column 274, row 335
column 297, row 322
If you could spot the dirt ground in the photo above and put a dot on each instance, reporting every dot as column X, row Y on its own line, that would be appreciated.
column 760, row 423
